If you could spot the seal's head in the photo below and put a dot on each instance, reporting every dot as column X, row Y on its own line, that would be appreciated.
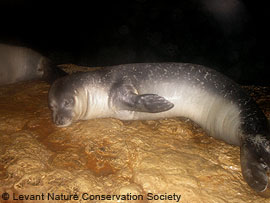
column 62, row 102
column 49, row 71
column 79, row 96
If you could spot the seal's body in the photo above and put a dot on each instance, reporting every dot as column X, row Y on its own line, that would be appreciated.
column 21, row 64
column 153, row 91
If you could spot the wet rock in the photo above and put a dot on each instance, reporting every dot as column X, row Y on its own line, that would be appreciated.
column 111, row 159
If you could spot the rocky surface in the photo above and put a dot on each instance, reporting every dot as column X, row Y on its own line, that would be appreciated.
column 170, row 159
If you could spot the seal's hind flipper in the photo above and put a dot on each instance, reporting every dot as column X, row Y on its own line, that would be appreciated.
column 253, row 170
column 151, row 103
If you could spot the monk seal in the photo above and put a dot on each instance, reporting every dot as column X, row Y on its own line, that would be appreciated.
column 21, row 64
column 159, row 90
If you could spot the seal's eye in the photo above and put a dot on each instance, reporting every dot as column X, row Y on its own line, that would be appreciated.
column 40, row 69
column 51, row 106
column 68, row 103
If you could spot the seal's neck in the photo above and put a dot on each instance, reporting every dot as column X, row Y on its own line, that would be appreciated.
column 92, row 102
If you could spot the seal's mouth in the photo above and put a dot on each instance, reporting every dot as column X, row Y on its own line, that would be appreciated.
column 63, row 125
column 62, row 121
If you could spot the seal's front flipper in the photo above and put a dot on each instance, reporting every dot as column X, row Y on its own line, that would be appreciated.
column 126, row 97
column 254, row 171
column 151, row 103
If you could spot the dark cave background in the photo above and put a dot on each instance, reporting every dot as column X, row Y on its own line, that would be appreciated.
column 230, row 36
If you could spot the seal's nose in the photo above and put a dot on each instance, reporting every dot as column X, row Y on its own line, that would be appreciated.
column 59, row 120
